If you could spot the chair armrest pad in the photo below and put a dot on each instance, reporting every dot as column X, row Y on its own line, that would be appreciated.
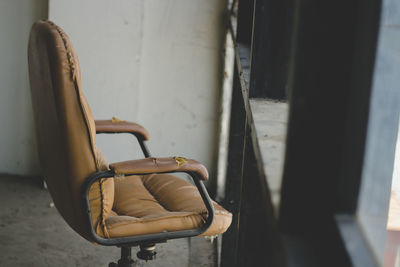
column 160, row 165
column 118, row 126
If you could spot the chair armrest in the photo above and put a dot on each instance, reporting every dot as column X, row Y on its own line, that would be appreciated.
column 160, row 165
column 119, row 126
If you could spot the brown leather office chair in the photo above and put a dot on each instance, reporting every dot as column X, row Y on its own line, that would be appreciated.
column 125, row 204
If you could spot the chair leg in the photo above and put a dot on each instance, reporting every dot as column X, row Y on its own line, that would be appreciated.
column 126, row 259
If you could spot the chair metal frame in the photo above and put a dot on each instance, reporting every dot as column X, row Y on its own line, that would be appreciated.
column 127, row 242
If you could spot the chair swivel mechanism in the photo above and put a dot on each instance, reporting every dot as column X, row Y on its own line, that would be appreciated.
column 124, row 204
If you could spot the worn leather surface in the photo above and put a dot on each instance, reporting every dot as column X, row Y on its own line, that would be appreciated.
column 160, row 202
column 101, row 197
column 151, row 165
column 66, row 133
column 110, row 126
column 65, row 128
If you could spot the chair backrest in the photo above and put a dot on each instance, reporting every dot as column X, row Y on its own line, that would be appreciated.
column 65, row 128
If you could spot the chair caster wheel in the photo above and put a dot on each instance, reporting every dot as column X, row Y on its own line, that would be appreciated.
column 112, row 264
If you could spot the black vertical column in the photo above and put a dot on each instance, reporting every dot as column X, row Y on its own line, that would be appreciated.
column 237, row 135
column 233, row 187
column 272, row 31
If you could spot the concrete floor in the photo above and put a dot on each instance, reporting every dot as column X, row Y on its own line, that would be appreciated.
column 32, row 233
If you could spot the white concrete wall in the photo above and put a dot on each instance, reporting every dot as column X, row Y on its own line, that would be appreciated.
column 155, row 62
column 180, row 81
column 17, row 140
column 107, row 37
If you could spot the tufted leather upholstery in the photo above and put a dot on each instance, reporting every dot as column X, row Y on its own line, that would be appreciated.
column 160, row 202
column 66, row 133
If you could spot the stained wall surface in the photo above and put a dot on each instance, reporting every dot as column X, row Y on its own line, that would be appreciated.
column 17, row 140
column 154, row 62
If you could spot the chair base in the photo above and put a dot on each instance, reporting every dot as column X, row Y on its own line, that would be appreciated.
column 147, row 252
column 126, row 259
column 130, row 264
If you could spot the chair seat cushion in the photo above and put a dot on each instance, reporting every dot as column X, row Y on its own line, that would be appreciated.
column 160, row 202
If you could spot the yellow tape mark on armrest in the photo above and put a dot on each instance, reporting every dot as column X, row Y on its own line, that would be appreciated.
column 115, row 119
column 180, row 160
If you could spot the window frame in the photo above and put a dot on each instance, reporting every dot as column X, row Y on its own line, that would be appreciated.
column 317, row 223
